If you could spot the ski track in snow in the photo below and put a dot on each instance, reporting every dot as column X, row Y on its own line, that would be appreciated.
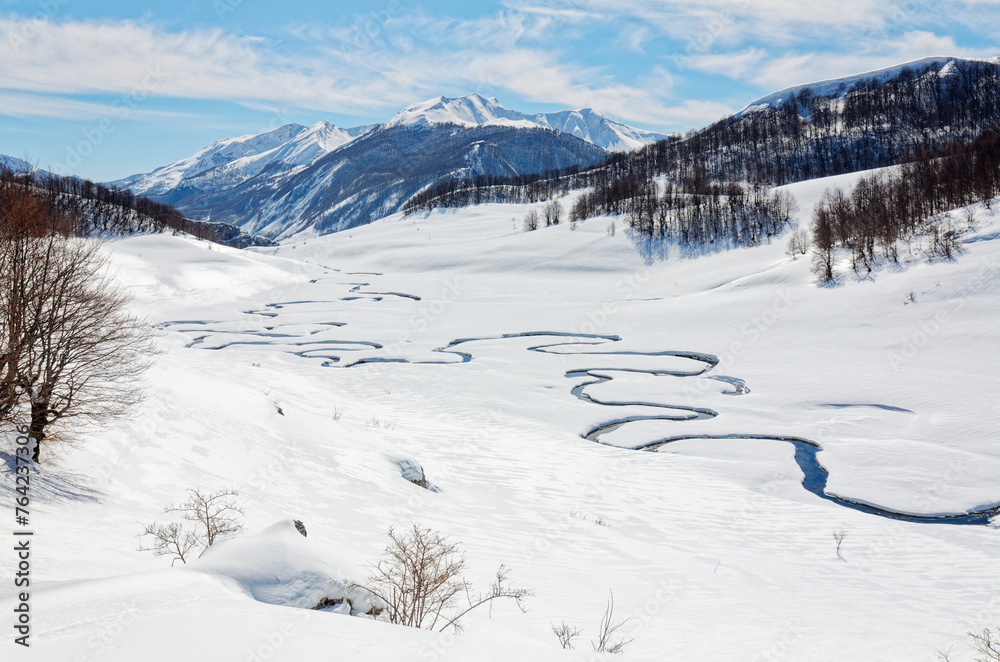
column 814, row 473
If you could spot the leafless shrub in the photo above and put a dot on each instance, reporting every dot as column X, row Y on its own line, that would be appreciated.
column 607, row 641
column 566, row 634
column 169, row 540
column 987, row 645
column 420, row 581
column 838, row 537
column 215, row 516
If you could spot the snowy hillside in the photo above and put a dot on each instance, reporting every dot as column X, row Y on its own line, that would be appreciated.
column 14, row 164
column 475, row 110
column 522, row 371
column 836, row 86
column 231, row 161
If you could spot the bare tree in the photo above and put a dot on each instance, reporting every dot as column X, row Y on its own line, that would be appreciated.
column 420, row 581
column 70, row 350
column 215, row 517
column 798, row 243
column 531, row 220
column 553, row 212
column 824, row 244
column 26, row 222
column 566, row 634
column 607, row 642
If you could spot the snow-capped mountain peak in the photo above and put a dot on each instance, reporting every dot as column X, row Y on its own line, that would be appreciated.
column 15, row 164
column 476, row 110
column 469, row 110
column 242, row 157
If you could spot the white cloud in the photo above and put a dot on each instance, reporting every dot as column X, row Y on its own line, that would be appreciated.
column 798, row 68
column 498, row 52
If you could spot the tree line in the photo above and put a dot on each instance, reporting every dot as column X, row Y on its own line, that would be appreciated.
column 705, row 186
column 884, row 208
column 107, row 211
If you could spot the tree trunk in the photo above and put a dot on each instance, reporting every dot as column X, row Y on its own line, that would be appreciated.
column 39, row 419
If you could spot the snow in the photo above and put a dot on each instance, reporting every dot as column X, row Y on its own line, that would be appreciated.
column 232, row 160
column 15, row 164
column 711, row 546
column 835, row 86
column 475, row 110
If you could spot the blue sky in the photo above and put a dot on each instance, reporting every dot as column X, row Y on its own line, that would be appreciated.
column 106, row 89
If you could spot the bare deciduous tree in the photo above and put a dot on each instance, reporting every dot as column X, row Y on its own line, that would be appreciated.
column 215, row 516
column 553, row 212
column 798, row 243
column 607, row 642
column 420, row 581
column 69, row 348
column 531, row 220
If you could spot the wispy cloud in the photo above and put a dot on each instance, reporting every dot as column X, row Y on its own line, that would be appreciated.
column 794, row 68
column 539, row 51
column 500, row 52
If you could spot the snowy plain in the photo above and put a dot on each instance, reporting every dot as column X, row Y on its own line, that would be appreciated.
column 711, row 546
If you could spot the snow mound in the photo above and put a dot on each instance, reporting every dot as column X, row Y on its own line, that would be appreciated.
column 278, row 566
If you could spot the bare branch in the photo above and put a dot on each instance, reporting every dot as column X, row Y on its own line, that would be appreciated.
column 420, row 581
column 606, row 640
column 566, row 634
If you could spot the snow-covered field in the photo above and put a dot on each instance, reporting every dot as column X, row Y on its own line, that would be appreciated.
column 712, row 546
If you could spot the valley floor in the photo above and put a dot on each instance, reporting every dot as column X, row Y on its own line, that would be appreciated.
column 711, row 546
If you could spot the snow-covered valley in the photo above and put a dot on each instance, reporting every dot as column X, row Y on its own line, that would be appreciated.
column 309, row 375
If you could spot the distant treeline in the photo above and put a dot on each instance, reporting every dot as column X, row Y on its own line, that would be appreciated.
column 97, row 209
column 884, row 209
column 669, row 187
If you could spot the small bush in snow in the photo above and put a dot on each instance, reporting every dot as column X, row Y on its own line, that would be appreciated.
column 215, row 516
column 987, row 644
column 607, row 640
column 420, row 581
column 566, row 634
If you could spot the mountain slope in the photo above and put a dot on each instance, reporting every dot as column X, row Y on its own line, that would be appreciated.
column 376, row 174
column 268, row 182
column 230, row 161
column 15, row 165
column 840, row 126
column 839, row 86
column 476, row 110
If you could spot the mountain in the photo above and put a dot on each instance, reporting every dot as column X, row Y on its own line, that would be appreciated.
column 376, row 174
column 231, row 161
column 476, row 110
column 832, row 127
column 326, row 178
column 15, row 165
column 837, row 87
